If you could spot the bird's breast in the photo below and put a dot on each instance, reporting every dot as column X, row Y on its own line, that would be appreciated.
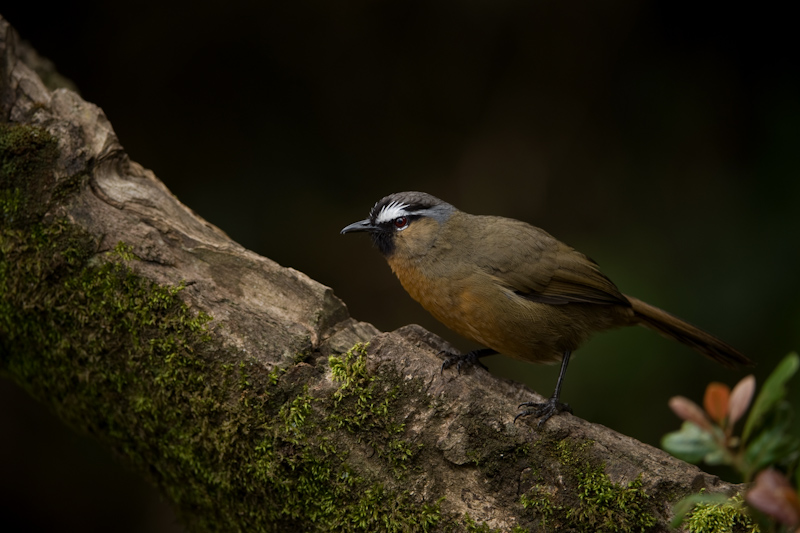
column 438, row 294
column 477, row 308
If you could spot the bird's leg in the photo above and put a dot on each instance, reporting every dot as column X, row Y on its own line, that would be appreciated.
column 544, row 410
column 470, row 358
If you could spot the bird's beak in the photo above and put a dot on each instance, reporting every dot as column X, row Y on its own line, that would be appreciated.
column 361, row 225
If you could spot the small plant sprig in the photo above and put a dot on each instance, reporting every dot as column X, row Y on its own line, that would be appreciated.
column 766, row 452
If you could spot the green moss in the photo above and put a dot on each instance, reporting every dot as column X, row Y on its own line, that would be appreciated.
column 11, row 202
column 362, row 405
column 594, row 502
column 234, row 446
column 538, row 500
column 27, row 156
column 720, row 518
column 25, row 150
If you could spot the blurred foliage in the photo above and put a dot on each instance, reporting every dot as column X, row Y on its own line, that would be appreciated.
column 766, row 452
column 657, row 137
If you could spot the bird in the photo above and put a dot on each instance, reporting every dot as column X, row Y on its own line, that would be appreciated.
column 512, row 288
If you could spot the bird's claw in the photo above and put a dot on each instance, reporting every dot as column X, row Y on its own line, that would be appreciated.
column 543, row 410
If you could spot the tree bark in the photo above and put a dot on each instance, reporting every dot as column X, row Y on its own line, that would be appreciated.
column 238, row 386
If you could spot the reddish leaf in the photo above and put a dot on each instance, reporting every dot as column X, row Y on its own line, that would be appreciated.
column 740, row 398
column 716, row 401
column 686, row 409
column 773, row 495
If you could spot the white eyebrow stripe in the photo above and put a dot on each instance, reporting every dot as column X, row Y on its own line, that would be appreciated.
column 391, row 211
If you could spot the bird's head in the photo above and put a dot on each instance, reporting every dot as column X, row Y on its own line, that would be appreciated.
column 408, row 221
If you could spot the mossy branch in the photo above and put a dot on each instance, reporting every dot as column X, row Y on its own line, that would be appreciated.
column 242, row 389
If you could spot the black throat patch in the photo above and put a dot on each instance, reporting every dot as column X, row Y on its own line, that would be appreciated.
column 384, row 241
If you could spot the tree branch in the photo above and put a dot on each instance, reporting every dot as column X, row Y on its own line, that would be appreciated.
column 233, row 384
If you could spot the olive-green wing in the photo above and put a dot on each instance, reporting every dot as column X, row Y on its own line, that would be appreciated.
column 538, row 267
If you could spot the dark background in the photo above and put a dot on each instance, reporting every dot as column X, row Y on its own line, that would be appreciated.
column 659, row 137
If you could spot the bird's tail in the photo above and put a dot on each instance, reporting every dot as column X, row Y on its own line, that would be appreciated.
column 674, row 328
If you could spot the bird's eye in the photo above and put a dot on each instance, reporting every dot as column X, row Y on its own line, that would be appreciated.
column 401, row 223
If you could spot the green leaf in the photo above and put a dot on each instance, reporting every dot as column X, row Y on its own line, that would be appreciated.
column 691, row 443
column 774, row 444
column 772, row 392
column 719, row 456
column 767, row 448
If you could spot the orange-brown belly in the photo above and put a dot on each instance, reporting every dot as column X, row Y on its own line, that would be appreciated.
column 485, row 312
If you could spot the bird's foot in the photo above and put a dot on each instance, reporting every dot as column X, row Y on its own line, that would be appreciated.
column 467, row 359
column 544, row 410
